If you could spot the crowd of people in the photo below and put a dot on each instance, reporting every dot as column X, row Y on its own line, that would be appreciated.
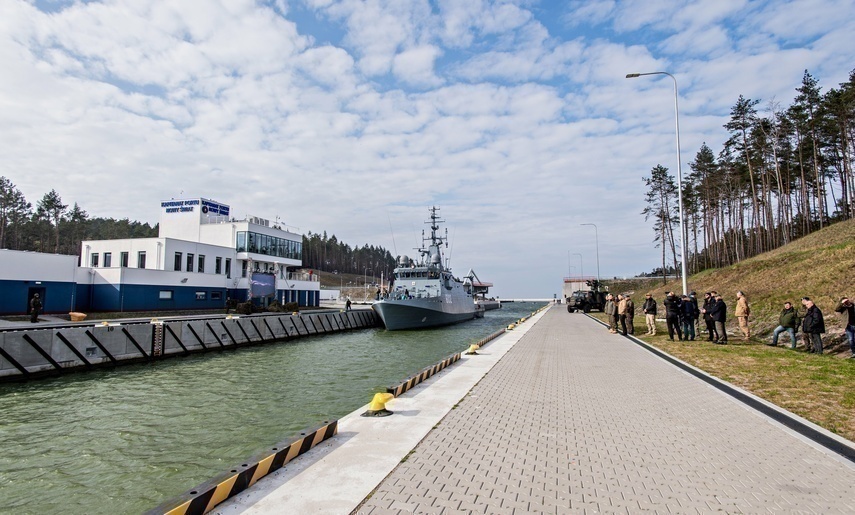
column 683, row 316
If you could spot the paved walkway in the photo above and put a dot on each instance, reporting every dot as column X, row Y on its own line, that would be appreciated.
column 576, row 420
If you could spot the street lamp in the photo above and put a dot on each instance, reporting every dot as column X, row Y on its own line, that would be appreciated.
column 365, row 281
column 679, row 175
column 581, row 270
column 597, row 240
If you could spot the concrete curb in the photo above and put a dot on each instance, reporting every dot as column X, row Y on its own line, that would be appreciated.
column 803, row 427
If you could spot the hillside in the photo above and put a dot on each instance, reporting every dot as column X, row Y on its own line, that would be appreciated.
column 820, row 266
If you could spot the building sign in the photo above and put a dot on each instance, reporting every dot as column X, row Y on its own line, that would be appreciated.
column 195, row 205
column 179, row 206
column 213, row 208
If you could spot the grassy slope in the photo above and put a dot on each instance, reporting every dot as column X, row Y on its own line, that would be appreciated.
column 820, row 266
column 819, row 388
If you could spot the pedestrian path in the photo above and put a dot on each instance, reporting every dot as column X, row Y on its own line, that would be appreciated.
column 575, row 420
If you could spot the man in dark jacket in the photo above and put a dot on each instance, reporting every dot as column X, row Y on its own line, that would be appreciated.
column 35, row 308
column 688, row 317
column 788, row 321
column 719, row 316
column 848, row 308
column 672, row 315
column 813, row 325
column 649, row 309
column 709, row 300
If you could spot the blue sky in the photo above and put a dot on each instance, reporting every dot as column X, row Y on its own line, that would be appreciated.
column 341, row 116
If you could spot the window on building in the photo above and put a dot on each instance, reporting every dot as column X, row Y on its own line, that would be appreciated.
column 141, row 259
column 108, row 259
column 228, row 268
column 178, row 261
column 201, row 264
column 243, row 266
column 201, row 295
column 218, row 265
column 123, row 258
column 216, row 295
column 94, row 261
column 190, row 259
column 165, row 295
column 246, row 241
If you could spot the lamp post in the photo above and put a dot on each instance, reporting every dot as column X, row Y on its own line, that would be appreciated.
column 597, row 240
column 581, row 270
column 679, row 175
column 365, row 281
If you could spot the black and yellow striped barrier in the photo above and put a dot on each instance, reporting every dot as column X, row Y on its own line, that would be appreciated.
column 207, row 496
column 421, row 376
column 484, row 341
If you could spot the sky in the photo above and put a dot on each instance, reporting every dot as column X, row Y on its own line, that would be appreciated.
column 355, row 116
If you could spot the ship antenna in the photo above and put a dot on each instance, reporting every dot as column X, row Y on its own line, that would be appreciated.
column 394, row 247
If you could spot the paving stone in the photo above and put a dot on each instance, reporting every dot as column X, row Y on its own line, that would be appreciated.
column 576, row 420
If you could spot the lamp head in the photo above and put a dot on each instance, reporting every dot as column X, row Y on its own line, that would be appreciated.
column 632, row 75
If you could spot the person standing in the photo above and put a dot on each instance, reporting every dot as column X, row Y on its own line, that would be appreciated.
column 672, row 315
column 787, row 321
column 813, row 325
column 649, row 309
column 741, row 313
column 709, row 301
column 630, row 314
column 693, row 298
column 347, row 305
column 622, row 313
column 35, row 308
column 846, row 306
column 719, row 316
column 610, row 309
column 688, row 317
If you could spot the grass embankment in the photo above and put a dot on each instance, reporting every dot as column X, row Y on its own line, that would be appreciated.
column 818, row 388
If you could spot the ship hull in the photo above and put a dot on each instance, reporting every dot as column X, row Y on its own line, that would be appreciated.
column 421, row 313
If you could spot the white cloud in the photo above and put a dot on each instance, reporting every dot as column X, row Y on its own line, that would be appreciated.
column 414, row 66
column 520, row 130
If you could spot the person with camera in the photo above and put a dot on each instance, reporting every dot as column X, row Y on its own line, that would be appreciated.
column 846, row 306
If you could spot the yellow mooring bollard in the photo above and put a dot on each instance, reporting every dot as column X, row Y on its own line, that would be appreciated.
column 473, row 349
column 377, row 408
column 511, row 327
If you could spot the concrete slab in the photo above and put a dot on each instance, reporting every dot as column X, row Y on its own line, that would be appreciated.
column 339, row 474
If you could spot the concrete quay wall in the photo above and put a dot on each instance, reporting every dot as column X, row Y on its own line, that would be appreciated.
column 27, row 353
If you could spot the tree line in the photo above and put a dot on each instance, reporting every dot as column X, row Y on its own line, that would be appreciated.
column 54, row 227
column 783, row 173
column 331, row 255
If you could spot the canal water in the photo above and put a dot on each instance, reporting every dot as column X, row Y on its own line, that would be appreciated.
column 124, row 440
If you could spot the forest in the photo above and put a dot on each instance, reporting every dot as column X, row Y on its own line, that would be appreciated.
column 54, row 227
column 783, row 172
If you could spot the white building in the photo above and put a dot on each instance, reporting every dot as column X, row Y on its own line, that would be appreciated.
column 201, row 257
